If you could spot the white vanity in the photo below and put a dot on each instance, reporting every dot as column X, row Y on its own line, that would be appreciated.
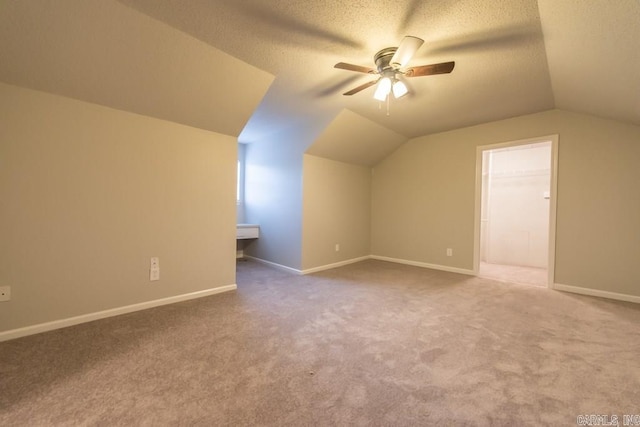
column 244, row 234
column 247, row 231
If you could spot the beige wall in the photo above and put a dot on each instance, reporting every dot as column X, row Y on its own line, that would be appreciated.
column 88, row 194
column 336, row 210
column 423, row 197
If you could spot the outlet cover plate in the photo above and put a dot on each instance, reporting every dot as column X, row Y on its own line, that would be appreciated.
column 5, row 293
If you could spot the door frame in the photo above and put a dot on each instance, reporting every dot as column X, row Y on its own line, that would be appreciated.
column 553, row 189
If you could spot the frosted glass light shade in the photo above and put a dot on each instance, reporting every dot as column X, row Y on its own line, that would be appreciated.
column 399, row 89
column 383, row 89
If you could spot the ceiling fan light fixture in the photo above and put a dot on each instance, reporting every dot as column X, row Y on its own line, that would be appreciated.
column 390, row 65
column 399, row 89
column 383, row 89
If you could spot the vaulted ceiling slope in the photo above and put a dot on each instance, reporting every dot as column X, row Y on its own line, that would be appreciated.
column 107, row 53
column 177, row 59
column 351, row 138
column 593, row 51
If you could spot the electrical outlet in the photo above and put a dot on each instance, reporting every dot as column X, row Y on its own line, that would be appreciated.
column 154, row 269
column 449, row 252
column 5, row 293
column 337, row 247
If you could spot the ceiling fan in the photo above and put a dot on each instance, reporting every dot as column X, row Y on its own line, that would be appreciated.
column 390, row 65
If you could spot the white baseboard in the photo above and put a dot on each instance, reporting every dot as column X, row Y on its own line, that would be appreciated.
column 596, row 293
column 63, row 323
column 424, row 265
column 275, row 265
column 309, row 270
column 354, row 260
column 335, row 265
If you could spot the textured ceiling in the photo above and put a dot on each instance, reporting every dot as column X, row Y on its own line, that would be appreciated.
column 498, row 48
column 187, row 61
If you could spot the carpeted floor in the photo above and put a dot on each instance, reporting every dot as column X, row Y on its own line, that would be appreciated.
column 372, row 343
column 514, row 274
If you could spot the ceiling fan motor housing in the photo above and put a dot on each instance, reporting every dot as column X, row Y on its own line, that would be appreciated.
column 382, row 60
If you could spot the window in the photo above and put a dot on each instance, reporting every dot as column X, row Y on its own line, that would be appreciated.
column 240, row 177
column 238, row 182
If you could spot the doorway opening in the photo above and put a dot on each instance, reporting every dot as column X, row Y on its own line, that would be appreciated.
column 515, row 211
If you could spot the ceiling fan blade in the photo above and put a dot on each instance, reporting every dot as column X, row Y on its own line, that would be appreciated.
column 357, row 68
column 428, row 70
column 408, row 47
column 361, row 87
